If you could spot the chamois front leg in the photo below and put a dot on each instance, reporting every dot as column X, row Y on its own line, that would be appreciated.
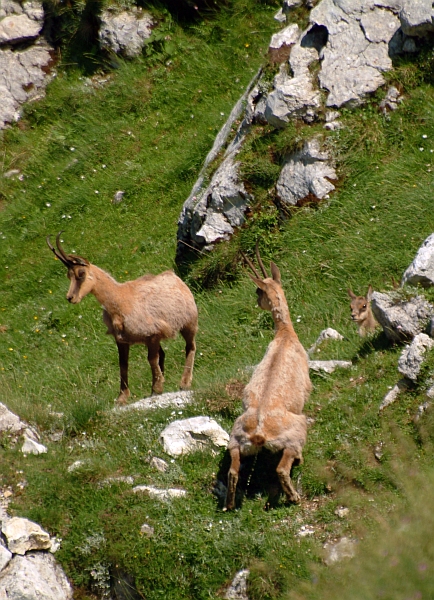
column 190, row 351
column 124, row 351
column 233, row 478
column 283, row 471
column 156, row 358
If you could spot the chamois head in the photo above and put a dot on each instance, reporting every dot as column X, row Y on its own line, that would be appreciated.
column 78, row 272
column 360, row 309
column 269, row 289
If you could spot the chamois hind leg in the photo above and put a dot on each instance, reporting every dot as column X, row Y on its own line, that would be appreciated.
column 161, row 357
column 283, row 471
column 154, row 358
column 124, row 351
column 233, row 478
column 189, row 335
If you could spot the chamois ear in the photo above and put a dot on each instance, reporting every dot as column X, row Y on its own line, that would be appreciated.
column 258, row 282
column 275, row 273
column 369, row 294
column 351, row 294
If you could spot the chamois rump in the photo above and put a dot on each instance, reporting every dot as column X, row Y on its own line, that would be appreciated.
column 361, row 312
column 273, row 399
column 145, row 311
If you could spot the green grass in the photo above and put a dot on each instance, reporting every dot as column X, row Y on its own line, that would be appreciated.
column 135, row 132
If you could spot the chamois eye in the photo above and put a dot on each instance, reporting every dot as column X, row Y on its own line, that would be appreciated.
column 81, row 273
column 364, row 306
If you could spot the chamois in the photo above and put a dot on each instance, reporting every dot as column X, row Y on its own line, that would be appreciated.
column 273, row 399
column 361, row 312
column 144, row 311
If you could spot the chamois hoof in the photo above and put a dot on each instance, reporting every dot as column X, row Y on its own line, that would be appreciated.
column 122, row 399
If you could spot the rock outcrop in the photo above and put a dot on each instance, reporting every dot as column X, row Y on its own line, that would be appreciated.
column 421, row 269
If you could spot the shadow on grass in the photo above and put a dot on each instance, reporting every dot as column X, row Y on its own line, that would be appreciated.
column 377, row 343
column 257, row 479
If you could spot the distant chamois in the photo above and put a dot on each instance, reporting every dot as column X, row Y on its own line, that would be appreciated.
column 361, row 312
column 273, row 399
column 145, row 311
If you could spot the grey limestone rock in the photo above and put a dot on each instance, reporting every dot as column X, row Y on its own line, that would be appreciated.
column 421, row 269
column 34, row 576
column 160, row 494
column 393, row 394
column 305, row 173
column 125, row 32
column 417, row 17
column 169, row 399
column 238, row 588
column 18, row 28
column 412, row 357
column 329, row 366
column 337, row 551
column 401, row 319
column 5, row 556
column 23, row 535
column 189, row 435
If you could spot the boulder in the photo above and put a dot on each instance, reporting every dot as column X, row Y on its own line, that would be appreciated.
column 305, row 174
column 18, row 28
column 189, row 435
column 31, row 446
column 416, row 17
column 421, row 269
column 23, row 77
column 34, row 576
column 212, row 215
column 9, row 421
column 401, row 319
column 412, row 357
column 5, row 556
column 125, row 32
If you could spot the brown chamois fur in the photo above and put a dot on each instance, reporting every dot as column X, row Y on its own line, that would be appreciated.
column 144, row 311
column 361, row 312
column 273, row 399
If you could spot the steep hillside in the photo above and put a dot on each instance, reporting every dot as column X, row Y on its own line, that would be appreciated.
column 144, row 128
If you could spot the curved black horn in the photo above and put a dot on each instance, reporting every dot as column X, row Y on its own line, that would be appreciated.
column 251, row 265
column 261, row 264
column 61, row 256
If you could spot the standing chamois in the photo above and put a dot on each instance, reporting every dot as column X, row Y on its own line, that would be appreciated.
column 144, row 311
column 273, row 399
column 361, row 312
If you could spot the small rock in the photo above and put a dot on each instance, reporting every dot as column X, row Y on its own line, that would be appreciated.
column 338, row 551
column 147, row 530
column 11, row 173
column 421, row 410
column 342, row 512
column 32, row 447
column 326, row 334
column 176, row 399
column 159, row 494
column 188, row 435
column 159, row 464
column 391, row 396
column 118, row 197
column 328, row 366
column 238, row 587
column 378, row 451
column 23, row 535
column 305, row 530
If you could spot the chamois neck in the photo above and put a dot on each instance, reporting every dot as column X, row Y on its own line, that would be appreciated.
column 280, row 314
column 103, row 286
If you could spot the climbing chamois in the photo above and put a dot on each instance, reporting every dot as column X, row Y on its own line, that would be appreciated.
column 273, row 399
column 361, row 312
column 144, row 311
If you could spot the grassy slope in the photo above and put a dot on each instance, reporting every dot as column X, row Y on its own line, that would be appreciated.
column 55, row 357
